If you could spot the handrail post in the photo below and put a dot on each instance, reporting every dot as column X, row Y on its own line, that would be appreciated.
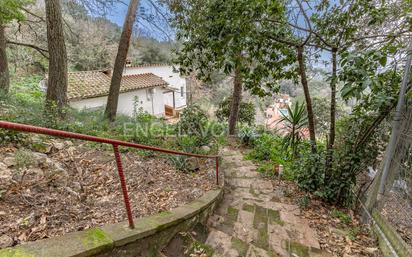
column 123, row 185
column 217, row 170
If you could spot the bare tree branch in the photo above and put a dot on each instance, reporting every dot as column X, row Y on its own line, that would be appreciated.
column 42, row 51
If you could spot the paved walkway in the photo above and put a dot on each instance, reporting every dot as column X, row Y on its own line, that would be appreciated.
column 252, row 221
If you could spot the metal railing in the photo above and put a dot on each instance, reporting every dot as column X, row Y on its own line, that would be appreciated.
column 115, row 144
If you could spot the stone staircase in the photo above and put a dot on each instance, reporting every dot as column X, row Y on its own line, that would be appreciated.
column 252, row 221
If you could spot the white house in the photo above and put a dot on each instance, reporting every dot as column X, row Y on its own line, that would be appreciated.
column 156, row 89
column 167, row 73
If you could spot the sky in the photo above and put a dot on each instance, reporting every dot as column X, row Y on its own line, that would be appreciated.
column 157, row 29
column 118, row 14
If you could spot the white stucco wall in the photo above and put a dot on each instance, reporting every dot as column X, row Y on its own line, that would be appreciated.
column 127, row 100
column 167, row 74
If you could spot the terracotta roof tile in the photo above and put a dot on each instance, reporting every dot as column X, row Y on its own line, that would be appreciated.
column 89, row 84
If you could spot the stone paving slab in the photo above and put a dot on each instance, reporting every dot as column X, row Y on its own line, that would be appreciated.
column 244, row 172
column 252, row 221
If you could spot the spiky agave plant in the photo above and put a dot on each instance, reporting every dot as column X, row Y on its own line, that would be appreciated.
column 295, row 122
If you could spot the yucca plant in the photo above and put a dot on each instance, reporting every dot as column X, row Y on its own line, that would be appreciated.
column 295, row 122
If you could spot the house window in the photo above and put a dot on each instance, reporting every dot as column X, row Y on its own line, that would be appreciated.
column 182, row 92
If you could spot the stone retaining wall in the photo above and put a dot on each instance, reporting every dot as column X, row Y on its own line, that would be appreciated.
column 149, row 237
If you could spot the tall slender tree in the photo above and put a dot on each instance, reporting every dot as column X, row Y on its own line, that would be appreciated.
column 113, row 99
column 9, row 10
column 237, row 99
column 56, row 96
column 4, row 67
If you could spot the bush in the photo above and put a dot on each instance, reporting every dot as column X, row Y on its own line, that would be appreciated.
column 267, row 169
column 267, row 147
column 308, row 172
column 8, row 136
column 193, row 122
column 247, row 111
column 247, row 135
column 188, row 144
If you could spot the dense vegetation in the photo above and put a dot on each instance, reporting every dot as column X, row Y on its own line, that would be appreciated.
column 341, row 60
column 361, row 44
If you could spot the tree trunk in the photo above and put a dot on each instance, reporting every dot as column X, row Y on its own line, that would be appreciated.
column 309, row 108
column 236, row 100
column 113, row 99
column 4, row 67
column 332, row 131
column 56, row 96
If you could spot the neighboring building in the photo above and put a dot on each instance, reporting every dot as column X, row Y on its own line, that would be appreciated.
column 275, row 112
column 177, row 100
column 155, row 89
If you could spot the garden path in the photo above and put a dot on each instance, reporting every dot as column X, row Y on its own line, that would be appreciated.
column 252, row 220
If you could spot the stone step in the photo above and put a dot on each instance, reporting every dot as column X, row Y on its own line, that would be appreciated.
column 253, row 183
column 243, row 172
column 226, row 245
column 252, row 221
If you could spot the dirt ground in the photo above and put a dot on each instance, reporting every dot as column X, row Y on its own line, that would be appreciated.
column 71, row 187
column 340, row 235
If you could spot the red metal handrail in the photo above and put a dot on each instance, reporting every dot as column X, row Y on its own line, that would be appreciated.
column 115, row 144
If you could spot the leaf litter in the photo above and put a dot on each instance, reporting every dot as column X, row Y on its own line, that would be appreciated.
column 73, row 187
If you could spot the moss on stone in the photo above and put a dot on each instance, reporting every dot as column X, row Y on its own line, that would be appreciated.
column 229, row 221
column 96, row 237
column 232, row 214
column 298, row 249
column 260, row 222
column 248, row 207
column 274, row 217
column 164, row 214
column 15, row 252
column 240, row 246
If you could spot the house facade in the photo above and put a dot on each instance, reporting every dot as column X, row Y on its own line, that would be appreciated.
column 157, row 92
column 175, row 99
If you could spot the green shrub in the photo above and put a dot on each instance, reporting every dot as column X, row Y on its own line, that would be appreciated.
column 188, row 144
column 193, row 122
column 180, row 162
column 267, row 169
column 247, row 135
column 309, row 172
column 267, row 147
column 247, row 111
column 8, row 136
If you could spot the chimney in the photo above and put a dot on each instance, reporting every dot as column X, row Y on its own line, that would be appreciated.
column 128, row 63
column 108, row 72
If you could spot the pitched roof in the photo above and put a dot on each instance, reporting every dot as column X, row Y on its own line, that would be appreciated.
column 149, row 65
column 89, row 84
